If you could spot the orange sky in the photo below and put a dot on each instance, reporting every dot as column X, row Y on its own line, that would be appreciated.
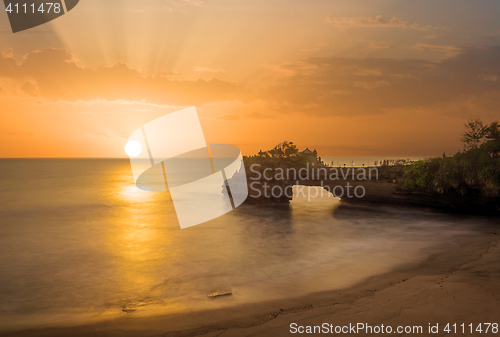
column 350, row 78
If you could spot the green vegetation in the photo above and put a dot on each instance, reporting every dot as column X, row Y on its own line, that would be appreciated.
column 416, row 176
column 477, row 168
column 283, row 155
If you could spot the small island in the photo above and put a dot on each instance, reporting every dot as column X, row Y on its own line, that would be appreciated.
column 468, row 181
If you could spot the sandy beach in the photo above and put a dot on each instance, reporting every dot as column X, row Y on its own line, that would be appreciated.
column 460, row 285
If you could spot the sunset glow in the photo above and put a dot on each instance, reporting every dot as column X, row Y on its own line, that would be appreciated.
column 386, row 80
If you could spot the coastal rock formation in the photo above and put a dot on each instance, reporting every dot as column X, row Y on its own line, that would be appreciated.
column 380, row 186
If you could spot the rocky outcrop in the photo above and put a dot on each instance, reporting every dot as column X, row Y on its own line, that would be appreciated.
column 379, row 186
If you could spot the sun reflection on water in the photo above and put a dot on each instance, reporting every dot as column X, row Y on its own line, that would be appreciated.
column 138, row 238
column 131, row 194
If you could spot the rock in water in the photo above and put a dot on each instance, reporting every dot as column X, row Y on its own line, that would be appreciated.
column 128, row 308
column 219, row 292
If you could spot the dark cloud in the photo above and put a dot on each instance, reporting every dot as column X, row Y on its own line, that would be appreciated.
column 343, row 86
column 466, row 85
column 377, row 21
column 55, row 75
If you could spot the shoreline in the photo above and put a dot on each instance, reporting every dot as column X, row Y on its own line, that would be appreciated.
column 246, row 319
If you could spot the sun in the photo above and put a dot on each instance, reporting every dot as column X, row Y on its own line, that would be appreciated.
column 133, row 148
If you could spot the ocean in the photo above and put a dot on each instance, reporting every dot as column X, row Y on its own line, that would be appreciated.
column 79, row 242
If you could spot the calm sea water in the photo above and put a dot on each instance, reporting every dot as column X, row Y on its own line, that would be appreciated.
column 78, row 241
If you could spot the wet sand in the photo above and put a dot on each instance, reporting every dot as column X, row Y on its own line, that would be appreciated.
column 460, row 285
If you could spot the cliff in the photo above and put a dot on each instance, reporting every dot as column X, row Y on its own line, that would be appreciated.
column 377, row 186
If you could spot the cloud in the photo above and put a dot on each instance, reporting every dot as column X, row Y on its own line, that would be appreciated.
column 449, row 51
column 246, row 116
column 8, row 53
column 317, row 47
column 377, row 21
column 179, row 5
column 209, row 70
column 196, row 3
column 492, row 78
column 463, row 85
column 376, row 44
column 370, row 85
column 170, row 9
column 54, row 74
